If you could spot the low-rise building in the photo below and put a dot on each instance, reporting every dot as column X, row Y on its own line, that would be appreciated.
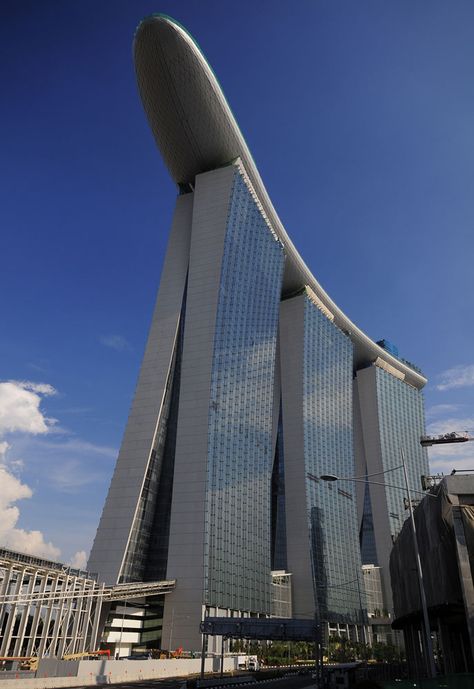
column 445, row 531
column 281, row 594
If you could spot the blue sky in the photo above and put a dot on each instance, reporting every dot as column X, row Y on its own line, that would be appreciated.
column 360, row 118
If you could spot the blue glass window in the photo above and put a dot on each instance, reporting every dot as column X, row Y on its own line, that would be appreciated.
column 401, row 422
column 328, row 447
column 240, row 454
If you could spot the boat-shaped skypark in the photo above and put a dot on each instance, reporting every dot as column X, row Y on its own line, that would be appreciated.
column 253, row 384
column 196, row 131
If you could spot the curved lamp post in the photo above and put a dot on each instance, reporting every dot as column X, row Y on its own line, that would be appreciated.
column 430, row 665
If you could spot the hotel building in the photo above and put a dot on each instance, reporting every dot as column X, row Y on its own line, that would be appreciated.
column 252, row 382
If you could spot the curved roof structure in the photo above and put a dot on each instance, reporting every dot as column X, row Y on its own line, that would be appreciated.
column 196, row 131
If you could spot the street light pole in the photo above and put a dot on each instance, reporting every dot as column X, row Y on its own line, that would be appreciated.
column 362, row 616
column 426, row 620
column 429, row 659
column 171, row 630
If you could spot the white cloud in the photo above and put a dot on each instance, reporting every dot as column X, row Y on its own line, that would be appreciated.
column 20, row 412
column 79, row 560
column 20, row 407
column 117, row 342
column 39, row 368
column 70, row 476
column 40, row 388
column 30, row 542
column 12, row 464
column 77, row 410
column 456, row 377
column 56, row 462
column 438, row 410
column 70, row 445
column 447, row 425
column 446, row 464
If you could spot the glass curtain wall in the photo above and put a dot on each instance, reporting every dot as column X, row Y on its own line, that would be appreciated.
column 240, row 453
column 402, row 423
column 328, row 447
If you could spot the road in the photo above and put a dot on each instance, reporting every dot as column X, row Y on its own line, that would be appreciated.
column 290, row 682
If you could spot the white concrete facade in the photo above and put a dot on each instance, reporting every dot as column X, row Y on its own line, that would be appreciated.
column 297, row 528
column 370, row 462
column 381, row 436
column 186, row 555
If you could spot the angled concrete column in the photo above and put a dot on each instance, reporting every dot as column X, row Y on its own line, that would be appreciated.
column 465, row 574
column 122, row 503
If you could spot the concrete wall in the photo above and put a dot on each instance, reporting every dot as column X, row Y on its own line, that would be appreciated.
column 370, row 423
column 94, row 672
column 359, row 453
column 297, row 533
column 183, row 607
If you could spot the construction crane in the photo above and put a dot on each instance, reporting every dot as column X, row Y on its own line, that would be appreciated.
column 429, row 482
column 446, row 438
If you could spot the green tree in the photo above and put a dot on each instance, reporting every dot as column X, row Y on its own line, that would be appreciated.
column 385, row 653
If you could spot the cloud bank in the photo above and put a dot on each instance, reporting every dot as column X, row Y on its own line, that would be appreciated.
column 456, row 377
column 79, row 559
column 117, row 342
column 20, row 412
column 20, row 407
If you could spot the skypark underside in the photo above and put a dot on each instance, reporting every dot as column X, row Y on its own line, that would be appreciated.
column 196, row 131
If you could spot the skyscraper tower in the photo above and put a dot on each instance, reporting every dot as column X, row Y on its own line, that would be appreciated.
column 246, row 385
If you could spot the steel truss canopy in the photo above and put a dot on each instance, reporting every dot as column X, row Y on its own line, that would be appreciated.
column 80, row 584
column 119, row 592
column 38, row 594
column 138, row 590
column 270, row 629
column 196, row 132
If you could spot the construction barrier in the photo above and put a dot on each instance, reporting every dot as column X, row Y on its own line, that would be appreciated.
column 69, row 673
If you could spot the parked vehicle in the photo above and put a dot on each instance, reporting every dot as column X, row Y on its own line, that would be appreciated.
column 248, row 663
